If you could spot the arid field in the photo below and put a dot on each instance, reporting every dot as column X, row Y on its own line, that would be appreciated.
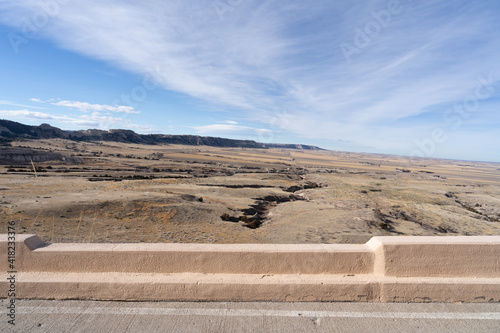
column 121, row 192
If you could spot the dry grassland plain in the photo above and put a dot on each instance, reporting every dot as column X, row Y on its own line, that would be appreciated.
column 120, row 192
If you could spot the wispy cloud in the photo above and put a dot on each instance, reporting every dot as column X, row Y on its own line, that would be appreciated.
column 234, row 130
column 266, row 56
column 87, row 107
column 95, row 115
column 26, row 114
column 20, row 105
column 94, row 120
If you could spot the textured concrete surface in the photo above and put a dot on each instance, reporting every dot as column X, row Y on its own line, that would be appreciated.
column 253, row 287
column 34, row 256
column 94, row 316
column 386, row 269
column 455, row 256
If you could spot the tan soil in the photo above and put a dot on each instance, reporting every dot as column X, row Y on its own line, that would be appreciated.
column 359, row 195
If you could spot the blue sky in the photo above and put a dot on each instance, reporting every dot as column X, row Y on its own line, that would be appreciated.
column 412, row 78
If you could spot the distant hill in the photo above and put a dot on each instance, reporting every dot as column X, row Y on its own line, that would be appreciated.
column 11, row 130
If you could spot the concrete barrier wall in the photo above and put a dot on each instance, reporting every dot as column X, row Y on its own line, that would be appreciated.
column 454, row 256
column 194, row 258
column 399, row 268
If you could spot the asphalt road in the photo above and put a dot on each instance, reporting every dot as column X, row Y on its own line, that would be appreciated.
column 97, row 316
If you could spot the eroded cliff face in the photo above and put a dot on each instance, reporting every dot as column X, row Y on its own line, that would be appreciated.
column 10, row 130
column 25, row 156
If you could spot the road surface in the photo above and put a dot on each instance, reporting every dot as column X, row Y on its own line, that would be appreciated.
column 99, row 316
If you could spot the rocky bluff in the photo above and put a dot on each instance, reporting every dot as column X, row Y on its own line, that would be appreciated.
column 11, row 130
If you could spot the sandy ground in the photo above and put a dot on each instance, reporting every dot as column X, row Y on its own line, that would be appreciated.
column 138, row 193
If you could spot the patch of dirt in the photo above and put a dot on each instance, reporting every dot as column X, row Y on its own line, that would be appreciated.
column 141, row 193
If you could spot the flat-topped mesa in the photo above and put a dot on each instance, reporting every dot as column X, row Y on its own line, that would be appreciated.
column 10, row 130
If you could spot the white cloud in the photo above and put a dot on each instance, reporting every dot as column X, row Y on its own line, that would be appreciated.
column 94, row 120
column 266, row 56
column 36, row 100
column 86, row 107
column 231, row 130
column 25, row 114
column 21, row 105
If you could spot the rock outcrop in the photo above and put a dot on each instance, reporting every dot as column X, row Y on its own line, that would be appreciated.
column 11, row 130
column 25, row 156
